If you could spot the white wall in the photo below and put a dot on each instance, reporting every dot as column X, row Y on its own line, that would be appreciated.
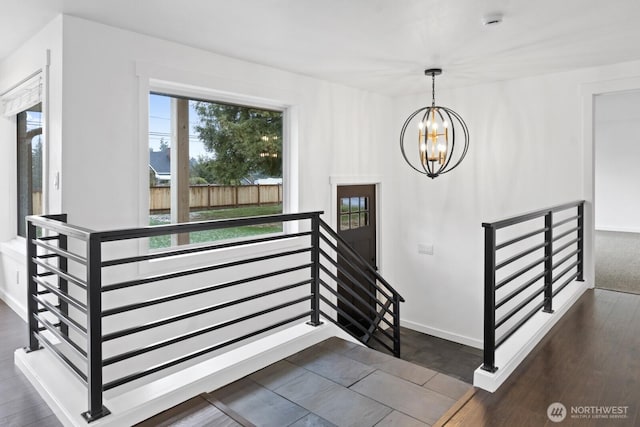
column 617, row 156
column 526, row 153
column 43, row 48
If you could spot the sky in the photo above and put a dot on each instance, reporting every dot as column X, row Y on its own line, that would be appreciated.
column 160, row 125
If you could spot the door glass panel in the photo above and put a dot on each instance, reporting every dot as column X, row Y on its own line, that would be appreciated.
column 355, row 201
column 344, row 204
column 365, row 204
column 344, row 222
column 364, row 219
column 355, row 220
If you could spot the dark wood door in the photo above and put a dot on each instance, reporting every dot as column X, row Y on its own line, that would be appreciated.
column 357, row 225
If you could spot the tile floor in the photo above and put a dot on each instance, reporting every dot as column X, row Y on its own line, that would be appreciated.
column 334, row 383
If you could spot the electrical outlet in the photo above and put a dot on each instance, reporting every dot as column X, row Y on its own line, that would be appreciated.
column 424, row 248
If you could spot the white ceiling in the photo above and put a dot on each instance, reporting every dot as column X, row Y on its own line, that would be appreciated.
column 378, row 45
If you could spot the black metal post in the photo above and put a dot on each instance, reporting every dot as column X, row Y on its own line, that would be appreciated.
column 396, row 325
column 489, row 299
column 580, row 277
column 32, row 286
column 94, row 329
column 63, row 265
column 315, row 271
column 548, row 263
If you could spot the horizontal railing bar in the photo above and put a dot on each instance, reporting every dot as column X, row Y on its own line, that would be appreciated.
column 565, row 283
column 189, row 227
column 63, row 317
column 348, row 303
column 45, row 274
column 45, row 292
column 530, row 215
column 48, row 238
column 62, row 358
column 63, row 253
column 519, row 307
column 566, row 258
column 60, row 227
column 565, row 246
column 520, row 272
column 68, row 277
column 193, row 313
column 565, row 271
column 520, row 255
column 517, row 326
column 178, row 252
column 45, row 256
column 566, row 220
column 355, row 295
column 201, row 331
column 179, row 295
column 520, row 238
column 66, row 298
column 350, row 276
column 198, row 353
column 349, row 318
column 519, row 290
column 79, row 351
column 166, row 276
column 346, row 286
column 566, row 233
column 347, row 247
column 326, row 316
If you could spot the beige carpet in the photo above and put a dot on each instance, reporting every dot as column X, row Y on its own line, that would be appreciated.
column 618, row 261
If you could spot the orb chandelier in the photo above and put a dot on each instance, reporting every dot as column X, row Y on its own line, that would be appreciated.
column 443, row 137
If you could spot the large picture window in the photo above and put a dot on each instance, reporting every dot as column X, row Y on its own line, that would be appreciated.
column 211, row 160
column 29, row 161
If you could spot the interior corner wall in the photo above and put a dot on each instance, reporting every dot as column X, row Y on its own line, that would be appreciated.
column 336, row 125
column 617, row 154
column 31, row 56
column 526, row 153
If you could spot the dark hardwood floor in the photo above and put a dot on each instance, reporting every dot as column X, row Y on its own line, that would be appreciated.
column 20, row 403
column 589, row 362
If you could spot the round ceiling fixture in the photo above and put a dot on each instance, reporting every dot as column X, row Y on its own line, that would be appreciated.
column 443, row 137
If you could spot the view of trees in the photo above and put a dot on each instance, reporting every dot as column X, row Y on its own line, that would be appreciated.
column 244, row 141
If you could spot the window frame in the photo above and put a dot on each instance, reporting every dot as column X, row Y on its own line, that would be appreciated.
column 203, row 91
column 13, row 240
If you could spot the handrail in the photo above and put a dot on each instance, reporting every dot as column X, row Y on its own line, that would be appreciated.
column 531, row 215
column 516, row 295
column 303, row 280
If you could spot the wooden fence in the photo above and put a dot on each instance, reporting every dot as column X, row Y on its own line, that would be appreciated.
column 218, row 196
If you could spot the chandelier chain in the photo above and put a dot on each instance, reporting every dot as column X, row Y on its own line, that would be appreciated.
column 433, row 90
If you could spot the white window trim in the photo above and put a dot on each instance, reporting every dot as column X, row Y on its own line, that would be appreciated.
column 17, row 244
column 197, row 86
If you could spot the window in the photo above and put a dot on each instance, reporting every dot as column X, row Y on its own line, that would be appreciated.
column 29, row 158
column 211, row 160
column 354, row 212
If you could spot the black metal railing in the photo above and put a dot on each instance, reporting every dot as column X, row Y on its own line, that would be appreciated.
column 537, row 250
column 82, row 291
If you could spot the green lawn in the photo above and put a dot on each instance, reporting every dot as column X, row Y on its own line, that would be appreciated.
column 221, row 234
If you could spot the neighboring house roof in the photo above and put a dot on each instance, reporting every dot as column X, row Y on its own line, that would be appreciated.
column 160, row 162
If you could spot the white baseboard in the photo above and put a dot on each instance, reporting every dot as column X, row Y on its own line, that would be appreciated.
column 618, row 229
column 514, row 350
column 14, row 304
column 67, row 396
column 462, row 339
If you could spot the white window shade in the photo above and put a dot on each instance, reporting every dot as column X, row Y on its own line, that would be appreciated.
column 25, row 95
